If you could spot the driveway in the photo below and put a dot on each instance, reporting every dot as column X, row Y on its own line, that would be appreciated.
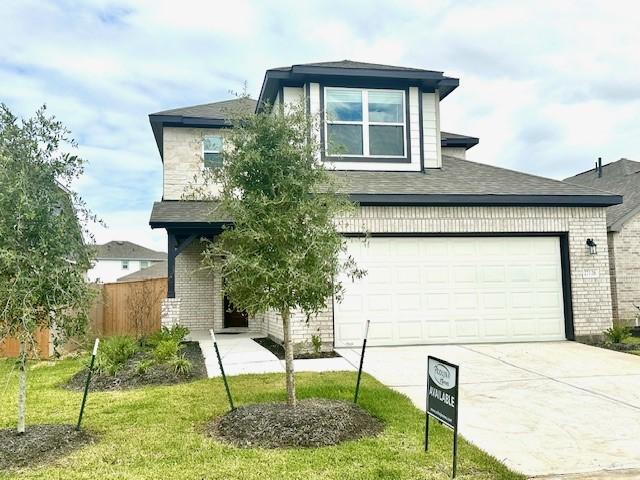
column 541, row 408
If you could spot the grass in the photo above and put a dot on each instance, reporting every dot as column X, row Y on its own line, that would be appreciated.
column 632, row 341
column 156, row 432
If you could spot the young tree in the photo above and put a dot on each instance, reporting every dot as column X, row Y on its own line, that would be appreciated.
column 43, row 257
column 283, row 251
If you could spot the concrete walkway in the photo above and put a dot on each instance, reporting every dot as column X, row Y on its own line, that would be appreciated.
column 241, row 355
column 553, row 408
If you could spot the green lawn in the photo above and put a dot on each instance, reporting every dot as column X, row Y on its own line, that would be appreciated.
column 154, row 433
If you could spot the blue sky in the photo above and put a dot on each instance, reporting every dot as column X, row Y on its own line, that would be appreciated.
column 547, row 86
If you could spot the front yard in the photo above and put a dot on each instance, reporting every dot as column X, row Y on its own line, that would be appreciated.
column 157, row 432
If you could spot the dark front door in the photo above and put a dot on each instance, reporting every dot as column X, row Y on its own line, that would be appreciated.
column 234, row 318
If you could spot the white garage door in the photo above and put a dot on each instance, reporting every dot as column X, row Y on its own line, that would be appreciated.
column 453, row 290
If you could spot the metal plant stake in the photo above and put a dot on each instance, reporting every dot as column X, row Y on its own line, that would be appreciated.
column 86, row 385
column 364, row 346
column 224, row 377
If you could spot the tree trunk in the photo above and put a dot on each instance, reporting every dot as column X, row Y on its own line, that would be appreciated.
column 22, row 388
column 288, row 358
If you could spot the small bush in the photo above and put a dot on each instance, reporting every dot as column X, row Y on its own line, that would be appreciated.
column 166, row 350
column 181, row 366
column 316, row 342
column 618, row 333
column 143, row 366
column 113, row 354
column 176, row 332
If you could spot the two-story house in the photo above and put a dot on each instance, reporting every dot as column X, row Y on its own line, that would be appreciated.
column 459, row 251
column 119, row 257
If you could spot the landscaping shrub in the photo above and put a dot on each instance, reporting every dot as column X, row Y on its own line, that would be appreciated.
column 143, row 366
column 113, row 354
column 181, row 365
column 618, row 333
column 166, row 350
column 176, row 332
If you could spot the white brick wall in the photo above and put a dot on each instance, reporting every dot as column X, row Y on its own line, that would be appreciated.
column 625, row 269
column 183, row 161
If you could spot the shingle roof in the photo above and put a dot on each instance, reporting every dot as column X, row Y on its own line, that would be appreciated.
column 355, row 65
column 458, row 177
column 157, row 270
column 123, row 250
column 178, row 212
column 458, row 182
column 215, row 110
column 621, row 177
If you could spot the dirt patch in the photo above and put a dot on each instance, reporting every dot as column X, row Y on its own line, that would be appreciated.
column 278, row 350
column 129, row 376
column 620, row 347
column 311, row 423
column 40, row 444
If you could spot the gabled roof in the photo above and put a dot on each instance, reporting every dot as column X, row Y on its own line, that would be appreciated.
column 207, row 115
column 352, row 72
column 458, row 183
column 157, row 270
column 621, row 177
column 123, row 250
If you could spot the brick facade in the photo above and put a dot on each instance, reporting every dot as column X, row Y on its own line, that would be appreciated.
column 201, row 303
column 624, row 253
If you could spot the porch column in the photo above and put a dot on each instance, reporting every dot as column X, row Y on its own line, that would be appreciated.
column 171, row 264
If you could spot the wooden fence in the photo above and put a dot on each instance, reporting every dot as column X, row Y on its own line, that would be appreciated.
column 127, row 308
column 9, row 347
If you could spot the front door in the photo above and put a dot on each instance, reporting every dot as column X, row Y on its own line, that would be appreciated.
column 232, row 317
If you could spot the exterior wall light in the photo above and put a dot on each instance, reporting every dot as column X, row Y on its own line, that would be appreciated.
column 592, row 246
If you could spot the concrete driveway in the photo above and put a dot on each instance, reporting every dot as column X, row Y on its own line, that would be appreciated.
column 541, row 408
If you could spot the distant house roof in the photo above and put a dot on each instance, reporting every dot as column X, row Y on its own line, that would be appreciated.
column 458, row 182
column 622, row 178
column 157, row 270
column 350, row 70
column 123, row 250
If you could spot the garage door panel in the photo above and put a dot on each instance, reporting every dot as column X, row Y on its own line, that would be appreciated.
column 448, row 290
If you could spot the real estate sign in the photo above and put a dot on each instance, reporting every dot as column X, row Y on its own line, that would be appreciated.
column 442, row 391
column 442, row 400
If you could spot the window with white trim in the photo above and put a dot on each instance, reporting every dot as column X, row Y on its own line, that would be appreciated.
column 212, row 151
column 365, row 122
column 124, row 264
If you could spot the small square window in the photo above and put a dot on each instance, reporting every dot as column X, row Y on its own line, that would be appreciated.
column 144, row 263
column 212, row 151
column 125, row 264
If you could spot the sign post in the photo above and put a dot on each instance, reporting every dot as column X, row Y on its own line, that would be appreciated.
column 442, row 400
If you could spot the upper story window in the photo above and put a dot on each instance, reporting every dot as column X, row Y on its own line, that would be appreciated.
column 365, row 122
column 212, row 151
column 124, row 264
column 144, row 263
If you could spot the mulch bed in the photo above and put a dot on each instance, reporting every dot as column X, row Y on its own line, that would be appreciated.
column 128, row 376
column 619, row 347
column 278, row 350
column 311, row 423
column 40, row 444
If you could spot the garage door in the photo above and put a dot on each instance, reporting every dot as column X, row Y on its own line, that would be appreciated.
column 453, row 290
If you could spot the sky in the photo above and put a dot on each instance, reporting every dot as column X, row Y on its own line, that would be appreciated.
column 547, row 86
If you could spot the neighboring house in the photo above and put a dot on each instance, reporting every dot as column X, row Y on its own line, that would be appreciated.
column 117, row 258
column 156, row 270
column 459, row 251
column 623, row 238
